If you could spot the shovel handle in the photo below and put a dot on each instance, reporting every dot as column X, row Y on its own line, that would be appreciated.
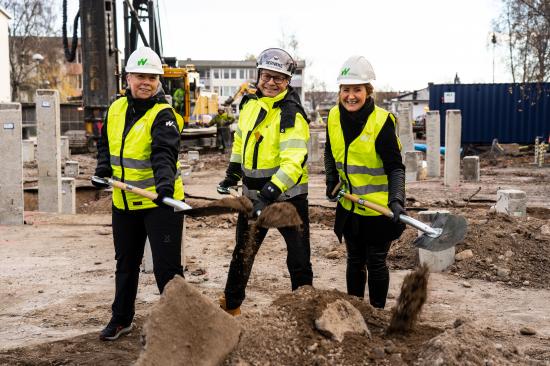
column 130, row 188
column 387, row 212
column 373, row 206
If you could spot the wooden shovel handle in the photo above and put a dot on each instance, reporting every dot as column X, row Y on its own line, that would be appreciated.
column 131, row 188
column 373, row 206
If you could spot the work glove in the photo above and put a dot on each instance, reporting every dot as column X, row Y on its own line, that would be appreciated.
column 268, row 194
column 397, row 209
column 160, row 196
column 224, row 185
column 331, row 185
column 258, row 205
column 102, row 173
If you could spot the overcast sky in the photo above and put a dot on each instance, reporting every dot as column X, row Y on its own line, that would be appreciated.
column 409, row 43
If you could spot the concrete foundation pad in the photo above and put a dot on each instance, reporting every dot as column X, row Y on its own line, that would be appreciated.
column 512, row 202
column 187, row 328
column 68, row 196
column 436, row 261
column 71, row 169
column 470, row 168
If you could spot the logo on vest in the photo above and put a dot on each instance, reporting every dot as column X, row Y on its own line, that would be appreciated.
column 365, row 138
column 170, row 124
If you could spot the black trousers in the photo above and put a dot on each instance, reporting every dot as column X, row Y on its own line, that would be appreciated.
column 297, row 260
column 367, row 251
column 130, row 230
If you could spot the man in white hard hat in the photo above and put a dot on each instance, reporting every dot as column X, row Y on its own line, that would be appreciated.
column 139, row 145
column 362, row 151
column 269, row 154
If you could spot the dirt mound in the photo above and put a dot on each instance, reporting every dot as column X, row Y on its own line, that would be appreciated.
column 511, row 250
column 465, row 345
column 413, row 295
column 285, row 334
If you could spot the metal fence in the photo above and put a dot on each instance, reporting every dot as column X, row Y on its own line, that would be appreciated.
column 72, row 118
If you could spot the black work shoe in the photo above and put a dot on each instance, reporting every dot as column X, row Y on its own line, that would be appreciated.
column 114, row 330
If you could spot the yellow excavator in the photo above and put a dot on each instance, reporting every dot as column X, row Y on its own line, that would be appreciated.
column 246, row 88
column 181, row 83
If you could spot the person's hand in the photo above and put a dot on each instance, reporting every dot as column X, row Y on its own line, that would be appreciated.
column 160, row 198
column 100, row 184
column 331, row 186
column 397, row 209
column 258, row 205
column 224, row 185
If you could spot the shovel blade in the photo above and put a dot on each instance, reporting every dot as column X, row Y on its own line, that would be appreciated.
column 454, row 230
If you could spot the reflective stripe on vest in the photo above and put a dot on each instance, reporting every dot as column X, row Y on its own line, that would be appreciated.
column 130, row 155
column 360, row 167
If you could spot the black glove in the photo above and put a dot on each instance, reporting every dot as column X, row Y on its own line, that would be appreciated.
column 160, row 197
column 269, row 193
column 331, row 185
column 259, row 204
column 99, row 184
column 102, row 172
column 397, row 209
column 224, row 185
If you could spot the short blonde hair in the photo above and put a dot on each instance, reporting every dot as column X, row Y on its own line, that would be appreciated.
column 368, row 86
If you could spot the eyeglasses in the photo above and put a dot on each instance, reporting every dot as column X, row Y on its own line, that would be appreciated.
column 276, row 79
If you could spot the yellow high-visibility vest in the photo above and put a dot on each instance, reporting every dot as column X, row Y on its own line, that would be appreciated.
column 131, row 155
column 266, row 150
column 359, row 166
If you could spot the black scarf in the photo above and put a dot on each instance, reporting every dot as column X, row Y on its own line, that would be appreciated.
column 353, row 122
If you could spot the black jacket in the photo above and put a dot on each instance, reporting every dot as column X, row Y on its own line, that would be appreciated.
column 164, row 147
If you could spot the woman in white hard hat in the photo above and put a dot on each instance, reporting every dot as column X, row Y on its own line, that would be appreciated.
column 139, row 145
column 269, row 154
column 362, row 152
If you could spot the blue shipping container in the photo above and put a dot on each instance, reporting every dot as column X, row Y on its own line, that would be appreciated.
column 508, row 112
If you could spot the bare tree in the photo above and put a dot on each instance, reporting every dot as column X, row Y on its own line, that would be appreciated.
column 527, row 26
column 31, row 19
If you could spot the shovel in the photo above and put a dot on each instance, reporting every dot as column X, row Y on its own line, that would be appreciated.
column 179, row 206
column 445, row 232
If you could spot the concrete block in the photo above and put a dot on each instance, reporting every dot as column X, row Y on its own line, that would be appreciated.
column 405, row 132
column 314, row 153
column 433, row 142
column 192, row 156
column 65, row 148
column 512, row 202
column 68, row 191
column 48, row 151
column 71, row 169
column 422, row 173
column 453, row 131
column 470, row 168
column 436, row 261
column 412, row 160
column 28, row 151
column 11, row 179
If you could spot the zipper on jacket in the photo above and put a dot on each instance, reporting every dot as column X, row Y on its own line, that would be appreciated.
column 255, row 155
column 124, row 134
column 346, row 148
column 261, row 116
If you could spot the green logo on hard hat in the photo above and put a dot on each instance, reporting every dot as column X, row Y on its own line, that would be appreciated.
column 344, row 71
column 142, row 61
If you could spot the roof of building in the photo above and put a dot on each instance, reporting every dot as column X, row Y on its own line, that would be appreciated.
column 421, row 95
column 227, row 63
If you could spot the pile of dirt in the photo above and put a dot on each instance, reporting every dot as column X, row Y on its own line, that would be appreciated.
column 511, row 250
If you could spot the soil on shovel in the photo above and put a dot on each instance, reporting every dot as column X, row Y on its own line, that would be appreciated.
column 239, row 204
column 279, row 214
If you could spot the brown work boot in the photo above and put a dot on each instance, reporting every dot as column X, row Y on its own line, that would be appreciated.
column 234, row 312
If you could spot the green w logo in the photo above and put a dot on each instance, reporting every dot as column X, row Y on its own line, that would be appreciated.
column 344, row 71
column 142, row 61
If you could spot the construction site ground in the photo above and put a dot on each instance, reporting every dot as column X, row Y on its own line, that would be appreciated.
column 57, row 280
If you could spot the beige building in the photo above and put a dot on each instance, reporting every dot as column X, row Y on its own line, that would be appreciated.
column 5, row 87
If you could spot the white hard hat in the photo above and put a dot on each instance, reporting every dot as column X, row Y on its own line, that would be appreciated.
column 276, row 59
column 356, row 70
column 144, row 61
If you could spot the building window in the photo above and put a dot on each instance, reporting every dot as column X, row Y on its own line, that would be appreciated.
column 233, row 73
column 226, row 73
column 217, row 90
column 242, row 74
column 216, row 73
